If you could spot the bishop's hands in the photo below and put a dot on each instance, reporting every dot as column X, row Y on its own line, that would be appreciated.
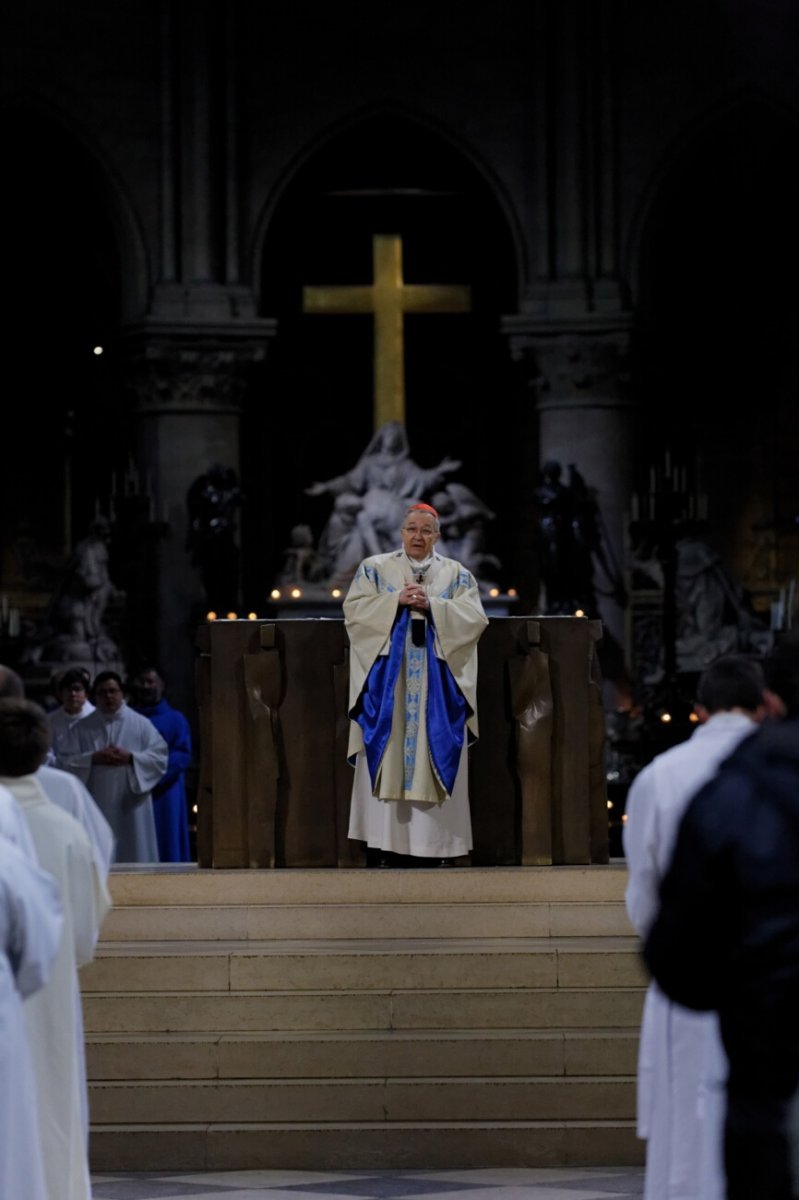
column 413, row 596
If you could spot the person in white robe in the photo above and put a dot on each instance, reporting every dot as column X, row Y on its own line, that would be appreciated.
column 54, row 1014
column 70, row 795
column 63, row 788
column 31, row 926
column 414, row 619
column 120, row 756
column 681, row 1064
column 13, row 825
column 72, row 690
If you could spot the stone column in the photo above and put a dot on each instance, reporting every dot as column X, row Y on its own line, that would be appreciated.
column 580, row 377
column 187, row 393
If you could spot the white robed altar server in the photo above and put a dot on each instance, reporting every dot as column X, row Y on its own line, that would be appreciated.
column 54, row 1014
column 72, row 689
column 681, row 1063
column 120, row 756
column 71, row 795
column 13, row 825
column 414, row 619
column 31, row 925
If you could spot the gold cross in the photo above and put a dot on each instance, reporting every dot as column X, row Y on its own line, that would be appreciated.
column 389, row 298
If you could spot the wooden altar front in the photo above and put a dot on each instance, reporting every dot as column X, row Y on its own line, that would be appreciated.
column 274, row 783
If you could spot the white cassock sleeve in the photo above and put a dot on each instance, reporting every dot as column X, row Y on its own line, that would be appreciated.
column 34, row 918
column 640, row 842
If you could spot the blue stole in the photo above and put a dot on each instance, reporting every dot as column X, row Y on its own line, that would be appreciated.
column 446, row 706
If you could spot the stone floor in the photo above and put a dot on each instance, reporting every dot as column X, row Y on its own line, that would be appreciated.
column 510, row 1183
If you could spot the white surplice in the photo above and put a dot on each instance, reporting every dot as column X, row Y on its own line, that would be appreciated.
column 71, row 796
column 54, row 1014
column 61, row 722
column 31, row 925
column 123, row 793
column 681, row 1062
column 13, row 825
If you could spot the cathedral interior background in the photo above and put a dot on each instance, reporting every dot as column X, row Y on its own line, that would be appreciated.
column 615, row 185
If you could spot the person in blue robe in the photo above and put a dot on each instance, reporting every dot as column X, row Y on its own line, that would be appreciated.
column 169, row 796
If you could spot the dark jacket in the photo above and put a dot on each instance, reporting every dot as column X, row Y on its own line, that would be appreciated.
column 727, row 934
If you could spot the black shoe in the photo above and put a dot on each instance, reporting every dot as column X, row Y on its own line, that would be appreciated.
column 446, row 862
column 385, row 860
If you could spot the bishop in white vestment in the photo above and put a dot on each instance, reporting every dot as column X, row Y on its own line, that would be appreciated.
column 414, row 619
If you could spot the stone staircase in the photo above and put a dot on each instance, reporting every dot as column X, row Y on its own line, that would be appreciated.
column 327, row 1019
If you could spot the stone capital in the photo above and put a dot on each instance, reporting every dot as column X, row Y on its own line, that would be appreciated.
column 571, row 364
column 193, row 367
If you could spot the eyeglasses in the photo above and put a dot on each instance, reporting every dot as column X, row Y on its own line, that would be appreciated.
column 426, row 532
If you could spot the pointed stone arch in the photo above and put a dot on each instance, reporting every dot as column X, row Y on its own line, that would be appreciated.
column 714, row 255
column 383, row 170
column 26, row 107
column 397, row 115
column 74, row 268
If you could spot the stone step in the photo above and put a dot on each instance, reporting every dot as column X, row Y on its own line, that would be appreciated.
column 363, row 920
column 312, row 1019
column 327, row 1011
column 361, row 1053
column 172, row 885
column 404, row 964
column 429, row 1098
column 429, row 1145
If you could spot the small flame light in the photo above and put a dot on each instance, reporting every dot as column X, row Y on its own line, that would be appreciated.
column 296, row 593
column 512, row 592
column 211, row 616
column 252, row 616
column 274, row 594
column 665, row 718
column 336, row 593
column 232, row 616
column 493, row 591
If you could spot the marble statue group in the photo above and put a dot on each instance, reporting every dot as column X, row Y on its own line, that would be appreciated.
column 369, row 502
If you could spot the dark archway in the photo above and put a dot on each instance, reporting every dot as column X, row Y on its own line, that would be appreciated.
column 313, row 417
column 718, row 321
column 61, row 276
